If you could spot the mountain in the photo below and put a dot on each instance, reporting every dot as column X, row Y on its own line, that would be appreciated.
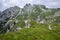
column 33, row 22
column 9, row 13
column 38, row 13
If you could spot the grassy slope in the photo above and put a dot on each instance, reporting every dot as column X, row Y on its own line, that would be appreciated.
column 36, row 32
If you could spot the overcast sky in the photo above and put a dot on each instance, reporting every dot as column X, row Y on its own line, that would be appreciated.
column 9, row 3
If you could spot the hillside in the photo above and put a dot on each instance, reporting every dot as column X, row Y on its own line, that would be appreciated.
column 36, row 32
column 33, row 22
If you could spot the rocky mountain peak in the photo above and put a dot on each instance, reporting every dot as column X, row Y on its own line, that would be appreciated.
column 10, row 12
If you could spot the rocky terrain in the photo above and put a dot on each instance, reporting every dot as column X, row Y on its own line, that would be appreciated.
column 33, row 22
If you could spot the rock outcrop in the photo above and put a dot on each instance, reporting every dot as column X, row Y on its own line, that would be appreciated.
column 9, row 13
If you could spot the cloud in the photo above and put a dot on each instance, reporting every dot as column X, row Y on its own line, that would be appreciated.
column 53, row 4
column 48, row 3
column 9, row 3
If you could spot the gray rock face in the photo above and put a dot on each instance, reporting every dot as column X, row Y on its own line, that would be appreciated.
column 28, row 8
column 10, row 12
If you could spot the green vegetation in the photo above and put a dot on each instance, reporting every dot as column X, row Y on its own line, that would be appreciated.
column 48, row 30
column 36, row 32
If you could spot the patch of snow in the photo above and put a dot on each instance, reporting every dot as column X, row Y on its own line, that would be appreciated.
column 43, row 21
column 26, row 21
column 19, row 28
column 50, row 27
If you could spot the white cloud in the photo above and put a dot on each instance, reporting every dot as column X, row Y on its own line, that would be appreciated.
column 54, row 3
column 27, row 1
column 8, row 3
column 14, row 1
